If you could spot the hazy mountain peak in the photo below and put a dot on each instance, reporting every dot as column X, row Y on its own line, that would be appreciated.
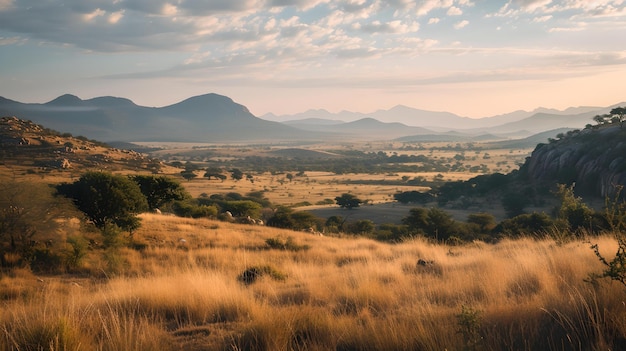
column 111, row 101
column 66, row 100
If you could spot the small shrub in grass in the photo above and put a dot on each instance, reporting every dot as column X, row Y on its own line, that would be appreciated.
column 285, row 244
column 468, row 322
column 250, row 275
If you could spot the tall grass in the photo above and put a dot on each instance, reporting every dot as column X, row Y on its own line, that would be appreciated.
column 339, row 293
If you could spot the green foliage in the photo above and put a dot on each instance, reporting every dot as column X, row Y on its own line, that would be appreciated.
column 106, row 199
column 573, row 214
column 413, row 197
column 361, row 227
column 433, row 223
column 252, row 274
column 615, row 214
column 469, row 323
column 236, row 174
column 525, row 224
column 242, row 208
column 28, row 218
column 193, row 209
column 188, row 174
column 485, row 222
column 160, row 190
column 334, row 224
column 74, row 255
column 348, row 201
column 514, row 203
column 281, row 218
column 287, row 218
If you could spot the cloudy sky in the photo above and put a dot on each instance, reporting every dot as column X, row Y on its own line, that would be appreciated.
column 472, row 57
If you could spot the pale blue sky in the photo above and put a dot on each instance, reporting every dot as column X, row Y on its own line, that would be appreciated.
column 472, row 57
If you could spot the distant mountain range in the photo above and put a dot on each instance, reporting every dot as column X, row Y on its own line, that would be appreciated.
column 216, row 118
column 205, row 118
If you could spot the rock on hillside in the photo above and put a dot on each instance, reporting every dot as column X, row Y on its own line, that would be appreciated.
column 34, row 149
column 594, row 159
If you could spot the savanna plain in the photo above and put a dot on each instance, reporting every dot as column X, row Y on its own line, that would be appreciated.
column 177, row 283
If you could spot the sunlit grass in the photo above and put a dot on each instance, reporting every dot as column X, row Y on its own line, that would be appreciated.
column 340, row 293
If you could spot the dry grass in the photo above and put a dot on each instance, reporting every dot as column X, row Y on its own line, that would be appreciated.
column 341, row 293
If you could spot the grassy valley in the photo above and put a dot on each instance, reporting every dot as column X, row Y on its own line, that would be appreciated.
column 427, row 274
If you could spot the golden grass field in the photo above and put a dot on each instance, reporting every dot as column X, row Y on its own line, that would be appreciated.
column 327, row 293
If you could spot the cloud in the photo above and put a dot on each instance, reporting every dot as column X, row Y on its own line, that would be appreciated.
column 454, row 11
column 461, row 24
column 433, row 20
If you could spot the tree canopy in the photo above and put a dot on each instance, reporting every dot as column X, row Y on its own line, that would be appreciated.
column 160, row 190
column 107, row 199
column 348, row 201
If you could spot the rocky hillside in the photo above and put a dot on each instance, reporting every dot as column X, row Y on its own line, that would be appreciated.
column 30, row 148
column 593, row 158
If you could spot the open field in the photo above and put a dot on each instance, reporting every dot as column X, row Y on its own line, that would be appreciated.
column 317, row 293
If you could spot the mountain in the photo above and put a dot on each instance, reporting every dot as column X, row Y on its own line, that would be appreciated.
column 205, row 118
column 365, row 128
column 517, row 123
column 528, row 142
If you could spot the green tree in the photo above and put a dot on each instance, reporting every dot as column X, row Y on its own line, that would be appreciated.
column 573, row 213
column 434, row 223
column 107, row 199
column 484, row 221
column 348, row 201
column 188, row 174
column 525, row 224
column 618, row 115
column 236, row 174
column 417, row 220
column 361, row 227
column 160, row 190
column 281, row 218
column 214, row 172
column 514, row 203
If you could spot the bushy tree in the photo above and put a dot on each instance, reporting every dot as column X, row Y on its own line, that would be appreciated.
column 160, row 190
column 434, row 223
column 525, row 224
column 348, row 201
column 28, row 215
column 106, row 199
column 573, row 214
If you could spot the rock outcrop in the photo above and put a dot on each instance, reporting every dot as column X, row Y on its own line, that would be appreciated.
column 593, row 159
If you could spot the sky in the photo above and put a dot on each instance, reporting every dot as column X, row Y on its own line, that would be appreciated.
column 475, row 58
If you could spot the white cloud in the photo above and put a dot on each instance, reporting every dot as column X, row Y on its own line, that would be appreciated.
column 433, row 20
column 116, row 16
column 461, row 24
column 542, row 19
column 96, row 13
column 454, row 11
column 429, row 5
column 169, row 9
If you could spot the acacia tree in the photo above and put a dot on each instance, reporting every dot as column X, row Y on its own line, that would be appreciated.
column 107, row 199
column 348, row 201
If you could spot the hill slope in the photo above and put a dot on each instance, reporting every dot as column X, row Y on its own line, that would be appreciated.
column 30, row 148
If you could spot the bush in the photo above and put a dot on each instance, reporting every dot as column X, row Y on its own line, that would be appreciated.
column 252, row 274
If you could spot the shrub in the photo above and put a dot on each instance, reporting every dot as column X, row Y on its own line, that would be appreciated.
column 250, row 275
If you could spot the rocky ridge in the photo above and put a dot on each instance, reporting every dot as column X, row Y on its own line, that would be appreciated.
column 24, row 144
column 593, row 159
